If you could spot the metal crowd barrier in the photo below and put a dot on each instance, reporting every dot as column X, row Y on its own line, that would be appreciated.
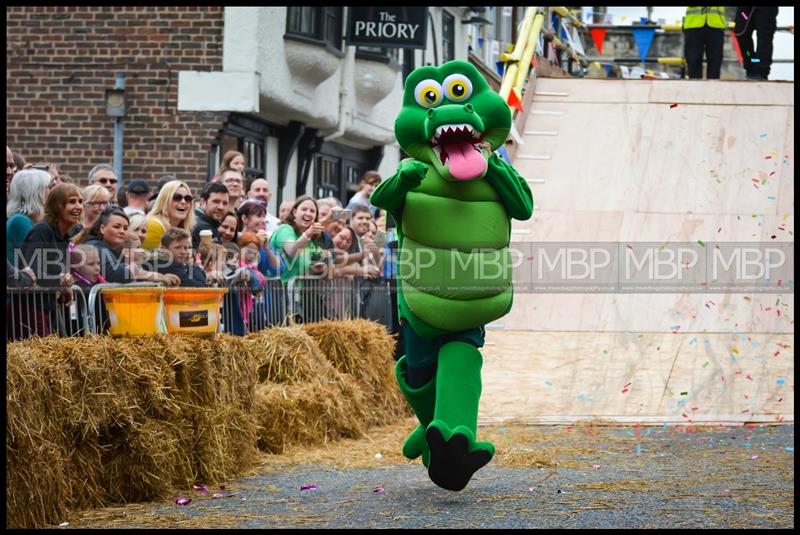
column 245, row 310
column 375, row 301
column 314, row 299
column 38, row 311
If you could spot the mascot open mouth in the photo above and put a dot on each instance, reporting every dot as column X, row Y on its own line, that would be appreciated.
column 458, row 147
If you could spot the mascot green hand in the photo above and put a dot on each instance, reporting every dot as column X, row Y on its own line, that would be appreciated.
column 453, row 201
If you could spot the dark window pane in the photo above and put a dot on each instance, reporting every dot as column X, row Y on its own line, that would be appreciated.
column 302, row 20
column 448, row 36
column 333, row 26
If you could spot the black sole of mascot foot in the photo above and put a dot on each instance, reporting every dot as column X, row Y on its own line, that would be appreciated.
column 451, row 463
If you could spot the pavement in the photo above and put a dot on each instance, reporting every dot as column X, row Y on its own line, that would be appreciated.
column 541, row 477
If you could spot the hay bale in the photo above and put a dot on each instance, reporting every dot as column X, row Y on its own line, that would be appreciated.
column 146, row 461
column 310, row 413
column 222, row 442
column 38, row 395
column 365, row 350
column 287, row 355
column 302, row 398
column 123, row 419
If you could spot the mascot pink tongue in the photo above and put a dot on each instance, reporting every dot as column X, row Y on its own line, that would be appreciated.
column 464, row 162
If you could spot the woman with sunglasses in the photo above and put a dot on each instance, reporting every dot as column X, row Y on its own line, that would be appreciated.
column 174, row 207
column 96, row 198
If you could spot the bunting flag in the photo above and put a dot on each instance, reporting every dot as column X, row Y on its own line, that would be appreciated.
column 500, row 66
column 598, row 36
column 737, row 48
column 609, row 69
column 514, row 101
column 643, row 38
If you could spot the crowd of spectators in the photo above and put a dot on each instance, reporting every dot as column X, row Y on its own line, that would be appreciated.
column 60, row 234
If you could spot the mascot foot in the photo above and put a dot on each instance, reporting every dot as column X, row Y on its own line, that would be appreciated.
column 416, row 445
column 455, row 456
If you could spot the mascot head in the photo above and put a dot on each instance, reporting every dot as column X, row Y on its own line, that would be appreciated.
column 448, row 113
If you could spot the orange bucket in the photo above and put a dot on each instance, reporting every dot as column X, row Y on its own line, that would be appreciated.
column 193, row 310
column 133, row 311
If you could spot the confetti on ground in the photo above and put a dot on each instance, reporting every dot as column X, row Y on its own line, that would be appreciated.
column 595, row 467
column 744, row 15
column 789, row 449
column 548, row 383
column 706, row 364
column 638, row 449
column 378, row 456
column 754, row 457
column 378, row 490
column 763, row 136
column 780, row 381
column 63, row 524
column 684, row 393
column 308, row 487
column 673, row 106
column 701, row 242
column 201, row 489
column 183, row 501
column 218, row 495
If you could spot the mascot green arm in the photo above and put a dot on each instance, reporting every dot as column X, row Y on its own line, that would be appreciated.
column 513, row 190
column 391, row 193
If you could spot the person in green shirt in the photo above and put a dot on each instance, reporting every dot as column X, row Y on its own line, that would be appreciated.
column 298, row 240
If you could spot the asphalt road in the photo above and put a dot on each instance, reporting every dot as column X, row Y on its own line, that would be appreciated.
column 662, row 477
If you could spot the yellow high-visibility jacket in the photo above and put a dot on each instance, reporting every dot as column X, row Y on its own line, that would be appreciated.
column 699, row 16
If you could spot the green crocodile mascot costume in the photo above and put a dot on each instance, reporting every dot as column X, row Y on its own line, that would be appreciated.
column 453, row 201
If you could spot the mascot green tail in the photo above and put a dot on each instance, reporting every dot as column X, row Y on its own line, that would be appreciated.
column 453, row 201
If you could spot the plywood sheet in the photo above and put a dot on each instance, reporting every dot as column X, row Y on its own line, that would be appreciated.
column 563, row 377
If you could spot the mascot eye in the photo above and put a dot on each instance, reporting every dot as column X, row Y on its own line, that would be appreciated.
column 457, row 87
column 428, row 93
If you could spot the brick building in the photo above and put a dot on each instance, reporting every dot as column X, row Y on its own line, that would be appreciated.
column 60, row 61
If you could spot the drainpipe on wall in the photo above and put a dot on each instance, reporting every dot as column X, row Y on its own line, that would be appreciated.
column 344, row 91
column 119, row 129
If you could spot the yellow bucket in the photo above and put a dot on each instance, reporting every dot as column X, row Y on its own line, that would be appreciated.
column 133, row 311
column 193, row 310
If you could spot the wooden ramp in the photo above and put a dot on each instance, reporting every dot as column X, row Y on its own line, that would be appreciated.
column 651, row 161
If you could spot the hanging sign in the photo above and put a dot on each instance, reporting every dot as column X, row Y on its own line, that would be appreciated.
column 389, row 27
